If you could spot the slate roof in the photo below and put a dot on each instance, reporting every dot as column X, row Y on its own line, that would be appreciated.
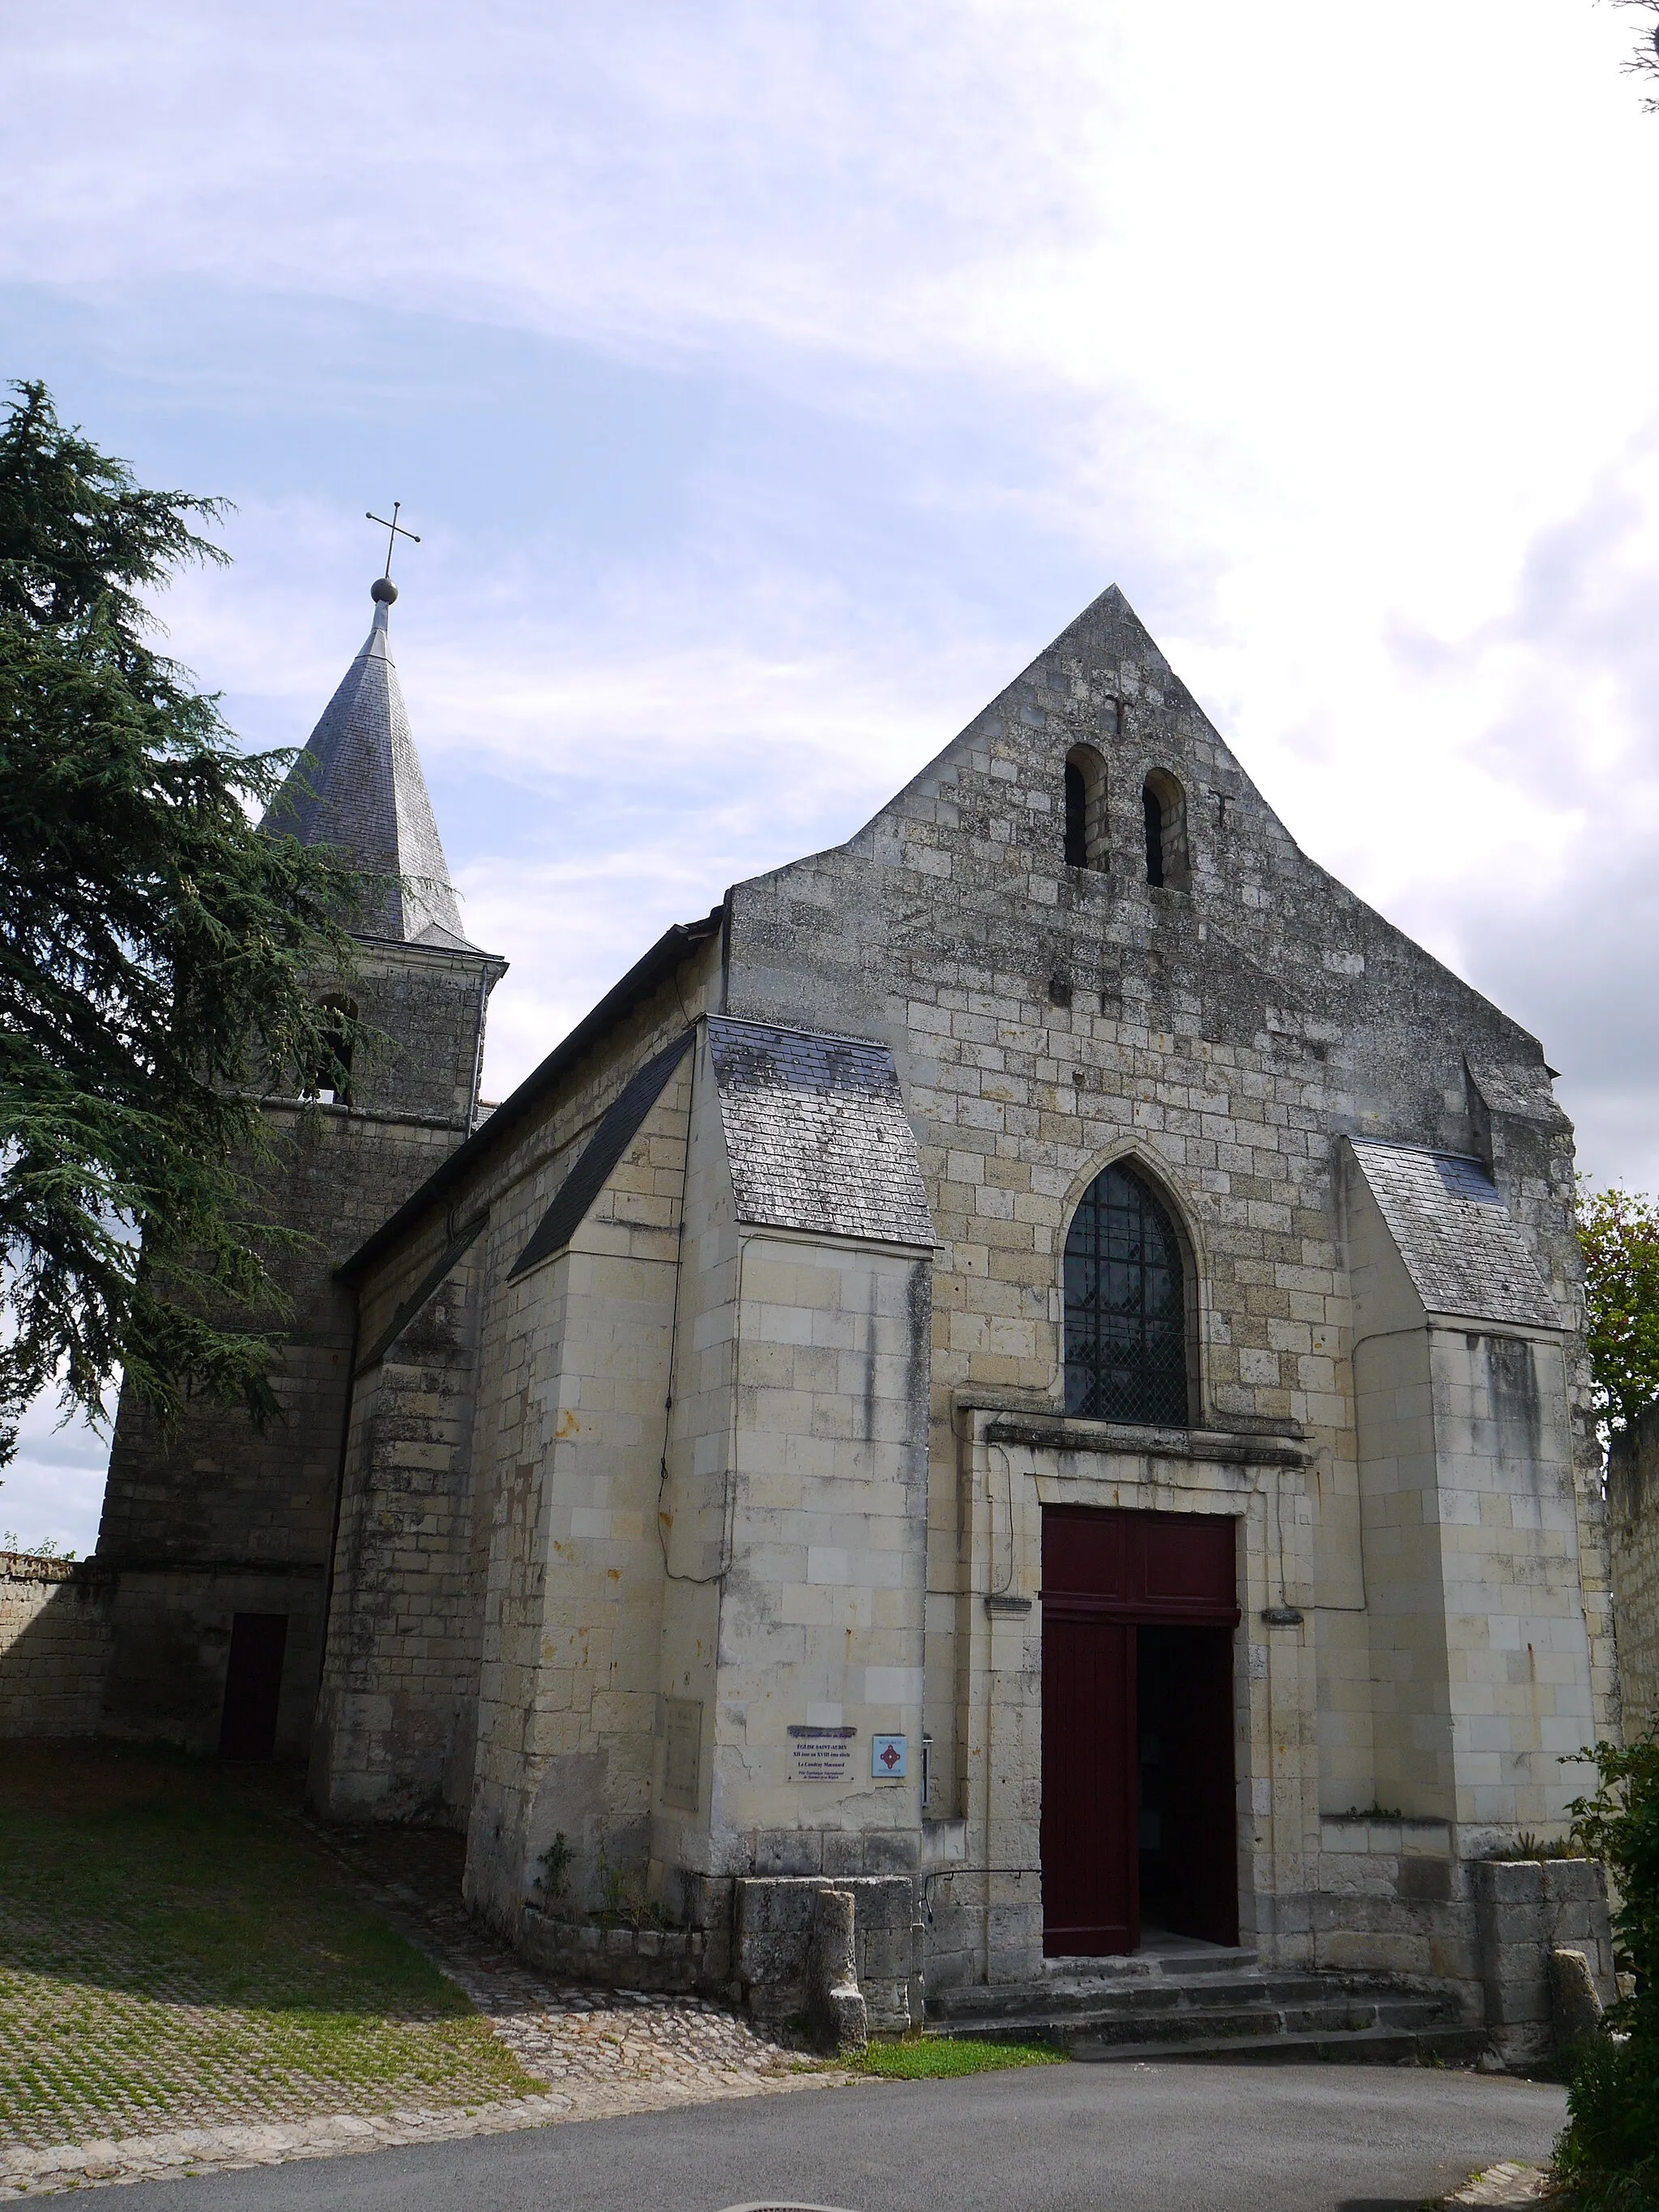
column 1460, row 1243
column 816, row 1135
column 617, row 1129
column 358, row 787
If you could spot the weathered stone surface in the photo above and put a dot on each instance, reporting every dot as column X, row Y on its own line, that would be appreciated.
column 54, row 1646
column 1526, row 1910
column 646, row 1535
column 777, row 1917
column 1575, row 2006
column 835, row 2003
column 1633, row 1530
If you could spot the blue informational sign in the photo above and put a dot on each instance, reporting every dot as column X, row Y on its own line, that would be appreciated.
column 887, row 1757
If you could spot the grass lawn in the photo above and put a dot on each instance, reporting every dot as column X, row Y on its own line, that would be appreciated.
column 924, row 2058
column 176, row 1949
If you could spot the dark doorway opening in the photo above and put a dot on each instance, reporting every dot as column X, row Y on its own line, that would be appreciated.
column 253, row 1686
column 1139, row 1823
column 1188, row 1857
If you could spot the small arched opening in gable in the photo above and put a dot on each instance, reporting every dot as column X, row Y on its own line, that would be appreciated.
column 1129, row 1305
column 1086, row 808
column 330, row 1078
column 1164, row 805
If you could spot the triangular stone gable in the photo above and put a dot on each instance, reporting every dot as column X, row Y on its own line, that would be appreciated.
column 960, row 881
column 1105, row 681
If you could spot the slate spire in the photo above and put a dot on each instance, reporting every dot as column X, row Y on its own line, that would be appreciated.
column 358, row 787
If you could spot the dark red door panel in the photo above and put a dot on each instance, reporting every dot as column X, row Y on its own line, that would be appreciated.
column 1113, row 1580
column 1142, row 1566
column 1086, row 1551
column 1189, row 1562
column 1090, row 1901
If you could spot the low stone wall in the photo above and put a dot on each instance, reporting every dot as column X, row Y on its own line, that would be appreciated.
column 1525, row 1910
column 773, row 1937
column 54, row 1645
column 672, row 1960
column 1633, row 1541
column 772, row 1954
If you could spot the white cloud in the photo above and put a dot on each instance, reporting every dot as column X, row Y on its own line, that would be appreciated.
column 53, row 1490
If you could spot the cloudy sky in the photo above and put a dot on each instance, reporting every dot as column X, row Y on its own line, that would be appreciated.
column 769, row 384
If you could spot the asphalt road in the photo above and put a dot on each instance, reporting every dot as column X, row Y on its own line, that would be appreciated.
column 1047, row 2139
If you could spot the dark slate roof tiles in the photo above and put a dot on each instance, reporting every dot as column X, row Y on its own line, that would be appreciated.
column 816, row 1135
column 1461, row 1246
column 358, row 787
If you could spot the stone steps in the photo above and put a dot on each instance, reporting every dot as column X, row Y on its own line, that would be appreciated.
column 1368, row 2046
column 1217, row 2013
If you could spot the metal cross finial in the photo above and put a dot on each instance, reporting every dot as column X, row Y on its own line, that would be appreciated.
column 395, row 527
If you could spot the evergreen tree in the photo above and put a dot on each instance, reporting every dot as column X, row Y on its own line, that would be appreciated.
column 159, row 957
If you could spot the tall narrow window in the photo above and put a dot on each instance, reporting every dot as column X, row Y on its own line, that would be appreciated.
column 1164, row 804
column 1085, row 808
column 1077, row 840
column 1126, row 1306
column 1154, row 814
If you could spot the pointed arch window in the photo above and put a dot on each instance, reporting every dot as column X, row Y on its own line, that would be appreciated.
column 1126, row 1306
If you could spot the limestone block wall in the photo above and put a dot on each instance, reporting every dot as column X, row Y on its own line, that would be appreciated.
column 820, row 1620
column 1524, row 1911
column 188, row 1519
column 569, row 1724
column 54, row 1646
column 422, row 1014
column 1225, row 1029
column 1390, row 1895
column 395, row 1720
column 1633, row 1525
column 796, row 1530
column 1480, row 1645
column 1530, row 1153
column 461, row 1458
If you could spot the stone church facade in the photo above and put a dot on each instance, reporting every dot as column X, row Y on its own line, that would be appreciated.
column 1027, row 1366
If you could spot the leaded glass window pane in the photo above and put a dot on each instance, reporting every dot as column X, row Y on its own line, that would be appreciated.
column 1126, row 1310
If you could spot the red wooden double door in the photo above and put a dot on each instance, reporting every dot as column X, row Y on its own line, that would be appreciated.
column 1139, row 1826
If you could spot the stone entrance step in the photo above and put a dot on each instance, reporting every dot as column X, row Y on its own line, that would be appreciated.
column 1218, row 2011
column 1366, row 2046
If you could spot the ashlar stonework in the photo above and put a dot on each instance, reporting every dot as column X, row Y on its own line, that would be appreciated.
column 704, row 1407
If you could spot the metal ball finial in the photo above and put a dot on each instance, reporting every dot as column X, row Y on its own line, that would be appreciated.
column 383, row 590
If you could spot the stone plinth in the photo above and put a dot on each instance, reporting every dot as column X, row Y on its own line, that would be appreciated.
column 1525, row 1909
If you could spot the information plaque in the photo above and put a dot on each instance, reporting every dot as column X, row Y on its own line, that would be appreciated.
column 820, row 1754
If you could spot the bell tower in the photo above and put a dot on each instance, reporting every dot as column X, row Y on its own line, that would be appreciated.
column 216, row 1542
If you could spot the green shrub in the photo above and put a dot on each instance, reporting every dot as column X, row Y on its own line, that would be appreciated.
column 1607, row 2156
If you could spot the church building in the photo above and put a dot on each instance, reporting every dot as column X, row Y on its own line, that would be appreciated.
column 1027, row 1366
